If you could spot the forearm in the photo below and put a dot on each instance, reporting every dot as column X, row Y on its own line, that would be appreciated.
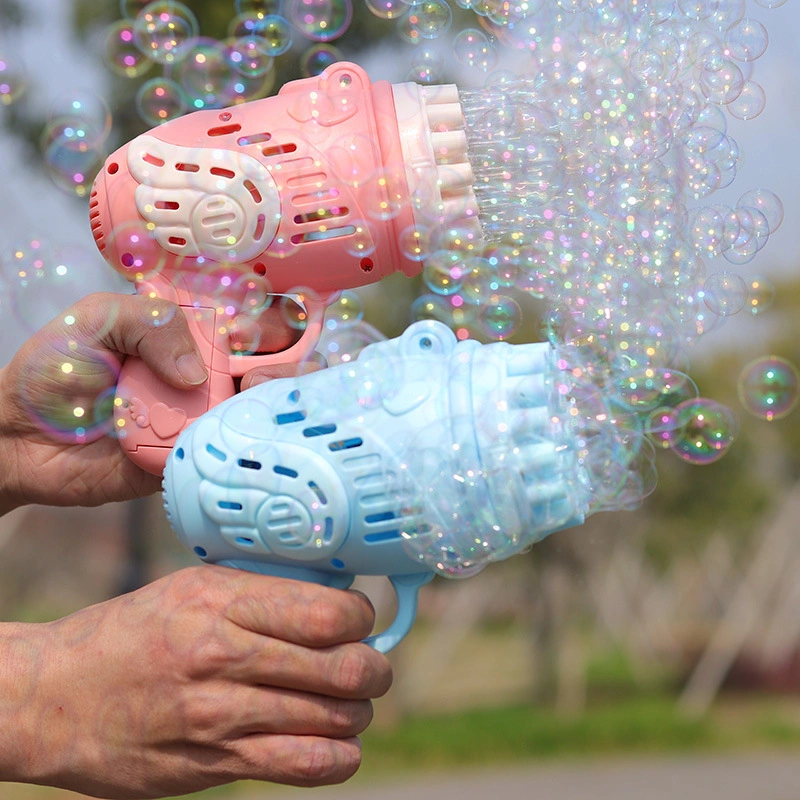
column 22, row 676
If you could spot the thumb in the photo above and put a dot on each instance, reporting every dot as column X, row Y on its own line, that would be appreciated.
column 152, row 329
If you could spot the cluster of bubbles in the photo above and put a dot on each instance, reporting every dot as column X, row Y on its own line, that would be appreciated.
column 197, row 72
column 596, row 153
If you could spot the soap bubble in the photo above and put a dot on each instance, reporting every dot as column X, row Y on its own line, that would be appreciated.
column 500, row 317
column 249, row 56
column 387, row 9
column 347, row 310
column 705, row 432
column 473, row 48
column 13, row 80
column 277, row 33
column 769, row 387
column 725, row 293
column 318, row 58
column 427, row 65
column 750, row 103
column 165, row 31
column 746, row 40
column 160, row 100
column 121, row 53
column 430, row 18
column 321, row 20
column 768, row 203
column 443, row 272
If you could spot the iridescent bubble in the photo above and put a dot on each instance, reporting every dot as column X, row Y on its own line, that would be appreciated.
column 318, row 58
column 293, row 307
column 746, row 40
column 427, row 65
column 768, row 203
column 347, row 310
column 165, row 31
column 443, row 272
column 160, row 100
column 760, row 295
column 725, row 293
column 249, row 56
column 661, row 425
column 750, row 102
column 277, row 32
column 705, row 432
column 473, row 48
column 73, row 147
column 499, row 317
column 654, row 388
column 721, row 81
column 430, row 18
column 121, row 53
column 770, row 3
column 769, row 387
column 208, row 77
column 13, row 81
column 321, row 20
column 387, row 9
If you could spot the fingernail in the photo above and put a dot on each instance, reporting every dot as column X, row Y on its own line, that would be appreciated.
column 256, row 378
column 191, row 369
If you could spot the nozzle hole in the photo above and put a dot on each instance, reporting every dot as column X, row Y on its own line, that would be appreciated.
column 260, row 269
column 113, row 168
column 345, row 80
column 201, row 551
column 367, row 264
column 126, row 259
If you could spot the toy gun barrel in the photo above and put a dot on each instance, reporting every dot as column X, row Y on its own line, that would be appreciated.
column 422, row 456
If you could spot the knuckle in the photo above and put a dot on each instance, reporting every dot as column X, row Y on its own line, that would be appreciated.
column 323, row 762
column 351, row 717
column 355, row 674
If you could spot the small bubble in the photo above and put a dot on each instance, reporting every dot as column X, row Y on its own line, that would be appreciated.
column 321, row 20
column 769, row 387
column 165, row 31
column 725, row 293
column 705, row 431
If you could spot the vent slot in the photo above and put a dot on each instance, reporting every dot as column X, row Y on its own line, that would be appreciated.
column 154, row 160
column 289, row 473
column 319, row 430
column 321, row 214
column 183, row 167
column 261, row 224
column 346, row 444
column 230, row 505
column 253, row 189
column 225, row 130
column 291, row 416
column 220, row 172
column 381, row 516
column 246, row 464
column 323, row 500
column 245, row 540
column 167, row 205
column 253, row 138
column 315, row 197
column 323, row 235
column 279, row 149
column 178, row 241
column 380, row 538
column 216, row 452
column 306, row 178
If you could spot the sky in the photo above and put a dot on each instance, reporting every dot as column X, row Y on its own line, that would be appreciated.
column 32, row 207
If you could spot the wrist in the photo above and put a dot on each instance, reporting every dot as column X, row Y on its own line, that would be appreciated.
column 9, row 494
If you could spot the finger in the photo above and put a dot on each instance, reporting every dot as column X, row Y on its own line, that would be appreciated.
column 262, row 374
column 266, row 332
column 263, row 709
column 150, row 328
column 298, row 760
column 294, row 611
column 348, row 672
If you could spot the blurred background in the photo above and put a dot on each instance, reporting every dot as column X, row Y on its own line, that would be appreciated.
column 669, row 630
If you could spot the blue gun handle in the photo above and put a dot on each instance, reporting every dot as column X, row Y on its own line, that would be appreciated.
column 406, row 588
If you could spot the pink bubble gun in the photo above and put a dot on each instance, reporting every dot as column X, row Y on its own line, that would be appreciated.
column 331, row 184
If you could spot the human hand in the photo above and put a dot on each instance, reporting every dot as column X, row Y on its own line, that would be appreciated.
column 204, row 677
column 56, row 397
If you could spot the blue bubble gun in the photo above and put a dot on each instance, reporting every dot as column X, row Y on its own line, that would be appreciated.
column 424, row 455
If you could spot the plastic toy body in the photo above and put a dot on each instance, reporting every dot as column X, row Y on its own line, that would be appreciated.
column 424, row 455
column 314, row 189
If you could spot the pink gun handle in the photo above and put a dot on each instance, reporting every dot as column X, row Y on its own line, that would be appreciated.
column 149, row 414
